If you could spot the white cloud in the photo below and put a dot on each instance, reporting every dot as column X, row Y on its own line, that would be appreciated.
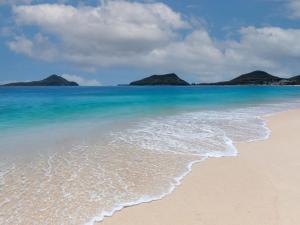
column 21, row 45
column 267, row 48
column 294, row 6
column 148, row 35
column 115, row 28
column 37, row 47
column 81, row 80
column 265, row 42
column 270, row 48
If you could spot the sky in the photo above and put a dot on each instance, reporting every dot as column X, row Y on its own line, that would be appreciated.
column 109, row 42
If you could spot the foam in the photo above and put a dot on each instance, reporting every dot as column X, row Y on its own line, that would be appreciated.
column 201, row 133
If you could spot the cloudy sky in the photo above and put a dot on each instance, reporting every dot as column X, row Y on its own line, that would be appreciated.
column 109, row 42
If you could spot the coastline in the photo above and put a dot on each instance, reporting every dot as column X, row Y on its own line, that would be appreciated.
column 260, row 186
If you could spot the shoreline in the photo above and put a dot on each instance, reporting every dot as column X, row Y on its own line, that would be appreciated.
column 201, row 180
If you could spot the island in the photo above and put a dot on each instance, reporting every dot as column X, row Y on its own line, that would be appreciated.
column 166, row 79
column 258, row 78
column 53, row 80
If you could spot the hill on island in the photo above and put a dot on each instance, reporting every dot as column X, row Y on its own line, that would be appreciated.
column 53, row 80
column 295, row 79
column 165, row 79
column 258, row 78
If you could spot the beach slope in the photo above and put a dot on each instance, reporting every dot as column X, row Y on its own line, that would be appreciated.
column 259, row 187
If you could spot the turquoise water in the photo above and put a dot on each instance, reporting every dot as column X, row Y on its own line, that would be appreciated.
column 75, row 155
column 21, row 107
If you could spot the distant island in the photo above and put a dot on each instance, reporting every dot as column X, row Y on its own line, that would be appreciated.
column 258, row 78
column 171, row 79
column 53, row 80
column 165, row 79
column 254, row 78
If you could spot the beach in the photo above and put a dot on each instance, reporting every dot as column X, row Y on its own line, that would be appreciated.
column 261, row 186
column 164, row 155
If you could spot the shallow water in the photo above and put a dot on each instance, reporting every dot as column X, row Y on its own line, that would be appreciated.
column 74, row 155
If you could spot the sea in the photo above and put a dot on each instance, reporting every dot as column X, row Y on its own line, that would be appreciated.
column 76, row 155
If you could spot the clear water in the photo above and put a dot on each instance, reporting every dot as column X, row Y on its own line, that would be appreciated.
column 75, row 155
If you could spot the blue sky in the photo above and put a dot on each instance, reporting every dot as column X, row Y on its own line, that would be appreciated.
column 113, row 42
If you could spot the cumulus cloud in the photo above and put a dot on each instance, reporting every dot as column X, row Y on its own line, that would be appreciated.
column 81, row 80
column 270, row 40
column 115, row 28
column 148, row 35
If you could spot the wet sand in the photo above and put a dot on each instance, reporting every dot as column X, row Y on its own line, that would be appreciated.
column 259, row 187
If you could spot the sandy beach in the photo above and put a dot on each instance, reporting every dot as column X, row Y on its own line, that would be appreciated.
column 259, row 187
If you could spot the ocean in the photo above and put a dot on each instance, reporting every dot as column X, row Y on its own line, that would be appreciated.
column 74, row 155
